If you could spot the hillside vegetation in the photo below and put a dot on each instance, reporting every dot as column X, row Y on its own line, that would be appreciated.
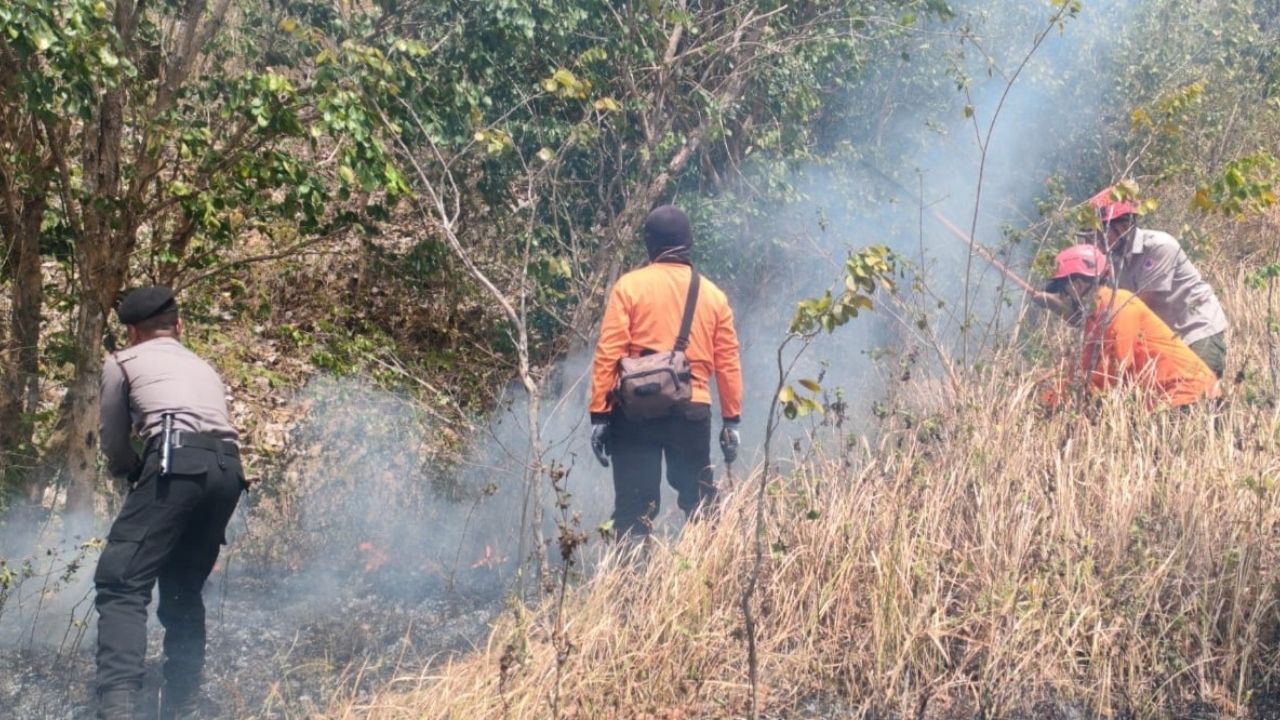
column 392, row 226
column 978, row 558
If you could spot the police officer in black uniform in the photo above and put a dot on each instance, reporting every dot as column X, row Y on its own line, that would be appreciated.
column 184, row 486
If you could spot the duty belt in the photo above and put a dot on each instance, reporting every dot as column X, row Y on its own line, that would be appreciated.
column 201, row 441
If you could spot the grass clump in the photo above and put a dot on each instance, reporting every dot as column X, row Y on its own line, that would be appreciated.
column 1006, row 563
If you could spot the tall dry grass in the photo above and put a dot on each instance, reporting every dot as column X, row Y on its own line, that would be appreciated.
column 983, row 559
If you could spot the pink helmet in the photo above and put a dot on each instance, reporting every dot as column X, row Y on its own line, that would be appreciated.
column 1084, row 260
column 1109, row 208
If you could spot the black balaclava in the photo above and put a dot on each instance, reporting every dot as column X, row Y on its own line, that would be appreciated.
column 668, row 236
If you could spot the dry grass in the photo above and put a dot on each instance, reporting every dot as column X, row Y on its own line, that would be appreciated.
column 981, row 561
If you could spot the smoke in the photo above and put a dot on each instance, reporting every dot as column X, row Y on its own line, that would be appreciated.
column 1048, row 125
column 379, row 497
column 46, row 568
column 370, row 496
column 913, row 145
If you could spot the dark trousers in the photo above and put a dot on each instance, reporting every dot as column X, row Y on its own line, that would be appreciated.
column 637, row 449
column 1213, row 351
column 170, row 529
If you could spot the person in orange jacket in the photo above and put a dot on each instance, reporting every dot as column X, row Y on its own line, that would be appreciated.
column 643, row 316
column 1124, row 340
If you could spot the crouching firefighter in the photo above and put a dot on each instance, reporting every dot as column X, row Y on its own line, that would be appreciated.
column 1125, row 342
column 183, row 489
column 666, row 332
column 1153, row 266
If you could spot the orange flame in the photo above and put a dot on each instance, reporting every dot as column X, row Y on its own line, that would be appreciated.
column 374, row 556
column 489, row 559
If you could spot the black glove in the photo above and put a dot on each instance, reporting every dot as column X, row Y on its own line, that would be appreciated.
column 135, row 471
column 600, row 442
column 729, row 441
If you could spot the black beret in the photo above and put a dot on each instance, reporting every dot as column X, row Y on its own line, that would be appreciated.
column 146, row 303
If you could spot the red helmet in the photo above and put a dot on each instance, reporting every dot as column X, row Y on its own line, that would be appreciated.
column 1109, row 208
column 1084, row 260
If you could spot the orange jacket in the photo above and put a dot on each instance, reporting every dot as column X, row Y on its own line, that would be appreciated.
column 644, row 312
column 1138, row 346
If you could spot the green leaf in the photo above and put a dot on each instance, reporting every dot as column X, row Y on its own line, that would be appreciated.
column 564, row 77
column 107, row 57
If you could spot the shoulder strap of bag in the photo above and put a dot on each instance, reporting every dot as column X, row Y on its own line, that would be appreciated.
column 690, row 305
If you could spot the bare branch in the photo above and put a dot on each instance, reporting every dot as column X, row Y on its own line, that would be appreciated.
column 295, row 250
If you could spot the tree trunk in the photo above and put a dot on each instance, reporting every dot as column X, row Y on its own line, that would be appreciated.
column 20, row 388
column 102, row 257
column 106, row 208
column 77, row 448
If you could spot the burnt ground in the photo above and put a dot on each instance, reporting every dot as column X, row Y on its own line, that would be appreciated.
column 277, row 649
column 288, row 648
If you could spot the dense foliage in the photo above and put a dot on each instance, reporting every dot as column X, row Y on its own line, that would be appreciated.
column 176, row 142
column 465, row 156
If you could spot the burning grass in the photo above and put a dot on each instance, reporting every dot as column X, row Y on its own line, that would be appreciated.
column 981, row 558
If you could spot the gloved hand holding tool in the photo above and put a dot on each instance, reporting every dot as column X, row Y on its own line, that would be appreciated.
column 729, row 441
column 599, row 441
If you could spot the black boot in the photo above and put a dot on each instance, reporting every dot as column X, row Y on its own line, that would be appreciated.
column 179, row 702
column 117, row 704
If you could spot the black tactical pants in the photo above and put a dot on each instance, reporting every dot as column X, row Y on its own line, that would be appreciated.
column 170, row 529
column 637, row 449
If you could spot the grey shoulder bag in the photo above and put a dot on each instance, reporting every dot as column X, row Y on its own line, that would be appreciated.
column 652, row 386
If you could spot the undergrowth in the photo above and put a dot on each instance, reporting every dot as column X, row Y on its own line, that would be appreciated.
column 1102, row 557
